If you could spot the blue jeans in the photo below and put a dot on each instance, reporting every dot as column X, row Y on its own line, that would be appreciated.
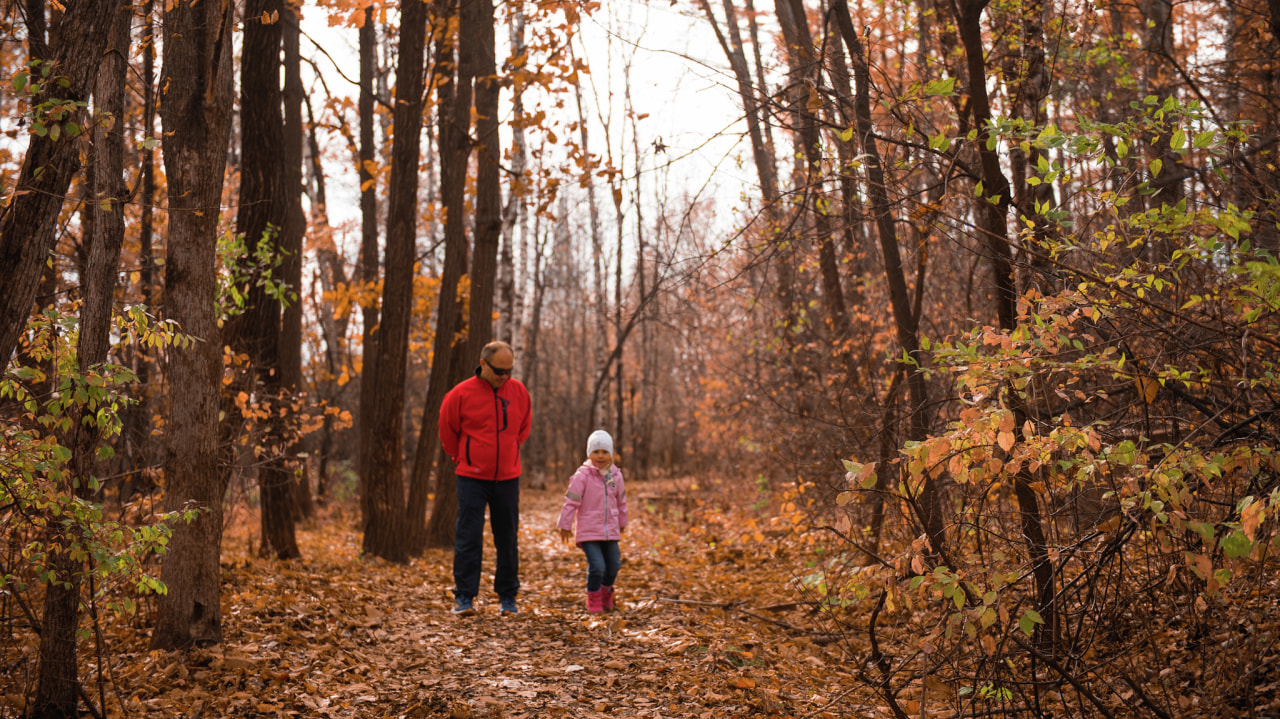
column 603, row 562
column 503, row 500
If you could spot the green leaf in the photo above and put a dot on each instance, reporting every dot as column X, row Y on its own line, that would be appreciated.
column 1179, row 139
column 1028, row 621
column 1236, row 545
column 1203, row 139
column 941, row 87
column 20, row 81
column 1156, row 164
column 845, row 135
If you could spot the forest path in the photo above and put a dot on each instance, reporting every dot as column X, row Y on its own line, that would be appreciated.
column 337, row 636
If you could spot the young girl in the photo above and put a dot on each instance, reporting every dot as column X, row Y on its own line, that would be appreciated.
column 599, row 499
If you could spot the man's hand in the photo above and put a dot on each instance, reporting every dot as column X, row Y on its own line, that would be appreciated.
column 566, row 536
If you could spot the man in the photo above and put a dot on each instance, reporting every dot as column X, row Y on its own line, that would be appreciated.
column 483, row 422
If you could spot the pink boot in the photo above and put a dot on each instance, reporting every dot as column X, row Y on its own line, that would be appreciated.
column 606, row 598
column 595, row 602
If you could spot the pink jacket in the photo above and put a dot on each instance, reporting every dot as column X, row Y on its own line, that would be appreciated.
column 600, row 501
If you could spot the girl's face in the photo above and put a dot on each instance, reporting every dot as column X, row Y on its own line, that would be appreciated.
column 601, row 458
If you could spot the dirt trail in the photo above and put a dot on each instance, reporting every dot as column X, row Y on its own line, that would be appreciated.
column 337, row 636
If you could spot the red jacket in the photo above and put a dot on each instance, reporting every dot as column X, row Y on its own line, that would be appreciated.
column 482, row 428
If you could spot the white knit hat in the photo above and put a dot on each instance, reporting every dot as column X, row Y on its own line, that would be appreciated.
column 599, row 439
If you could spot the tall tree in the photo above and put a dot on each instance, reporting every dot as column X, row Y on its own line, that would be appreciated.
column 453, row 112
column 58, row 684
column 291, row 235
column 261, row 216
column 384, row 484
column 195, row 114
column 906, row 322
column 368, row 264
column 514, row 220
column 28, row 219
column 476, row 40
column 992, row 211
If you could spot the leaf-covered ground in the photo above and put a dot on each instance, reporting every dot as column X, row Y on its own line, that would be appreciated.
column 703, row 631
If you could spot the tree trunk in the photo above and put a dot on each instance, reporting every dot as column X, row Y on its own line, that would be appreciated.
column 453, row 109
column 28, row 220
column 261, row 216
column 295, row 227
column 513, row 215
column 195, row 112
column 598, row 300
column 762, row 153
column 804, row 75
column 58, row 682
column 138, row 431
column 992, row 219
column 928, row 503
column 383, row 536
column 368, row 264
column 477, row 43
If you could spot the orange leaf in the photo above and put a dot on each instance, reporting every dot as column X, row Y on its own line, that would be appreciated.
column 742, row 683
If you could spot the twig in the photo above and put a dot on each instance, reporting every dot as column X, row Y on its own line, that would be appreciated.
column 834, row 699
column 881, row 663
column 737, row 605
column 1145, row 699
column 696, row 603
column 1065, row 675
column 88, row 702
column 857, row 546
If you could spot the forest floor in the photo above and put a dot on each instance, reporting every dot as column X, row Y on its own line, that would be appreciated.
column 702, row 631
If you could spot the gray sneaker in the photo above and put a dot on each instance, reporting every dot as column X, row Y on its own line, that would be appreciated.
column 462, row 607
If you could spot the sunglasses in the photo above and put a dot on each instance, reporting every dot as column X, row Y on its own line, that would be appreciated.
column 500, row 371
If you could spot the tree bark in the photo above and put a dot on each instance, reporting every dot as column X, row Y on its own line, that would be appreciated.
column 383, row 536
column 28, row 220
column 295, row 227
column 368, row 265
column 513, row 215
column 261, row 216
column 58, row 681
column 453, row 110
column 477, row 43
column 195, row 112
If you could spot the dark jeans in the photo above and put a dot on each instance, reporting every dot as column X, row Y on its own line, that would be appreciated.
column 603, row 562
column 503, row 501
